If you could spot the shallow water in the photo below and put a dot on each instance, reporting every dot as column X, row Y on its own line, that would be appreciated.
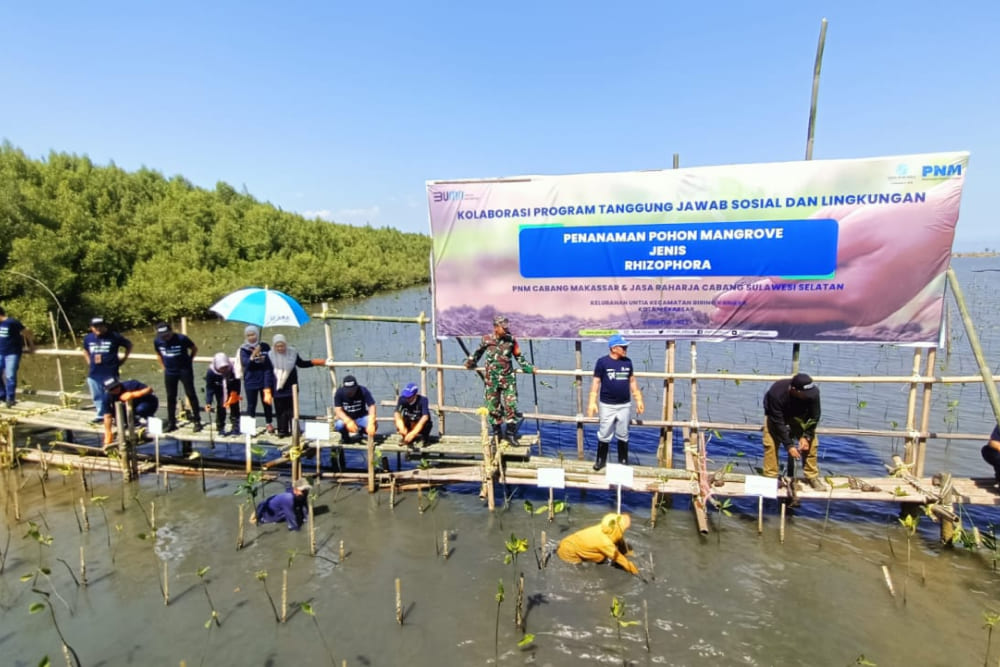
column 733, row 597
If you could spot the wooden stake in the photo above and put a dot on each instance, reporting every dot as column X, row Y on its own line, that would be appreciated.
column 239, row 531
column 652, row 509
column 86, row 519
column 312, row 528
column 645, row 618
column 342, row 551
column 781, row 528
column 552, row 509
column 519, row 606
column 399, row 602
column 888, row 580
column 760, row 514
column 544, row 548
column 152, row 515
column 83, row 567
column 444, row 541
column 166, row 585
column 392, row 493
column 284, row 595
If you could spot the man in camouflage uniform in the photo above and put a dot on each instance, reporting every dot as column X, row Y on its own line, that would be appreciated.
column 501, row 384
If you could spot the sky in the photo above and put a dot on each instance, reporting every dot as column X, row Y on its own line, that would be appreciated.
column 343, row 111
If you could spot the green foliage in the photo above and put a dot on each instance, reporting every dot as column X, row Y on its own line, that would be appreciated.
column 514, row 546
column 146, row 247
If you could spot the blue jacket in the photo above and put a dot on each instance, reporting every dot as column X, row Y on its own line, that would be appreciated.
column 286, row 507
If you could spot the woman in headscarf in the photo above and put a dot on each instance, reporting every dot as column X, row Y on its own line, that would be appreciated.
column 222, row 387
column 600, row 543
column 284, row 363
column 254, row 368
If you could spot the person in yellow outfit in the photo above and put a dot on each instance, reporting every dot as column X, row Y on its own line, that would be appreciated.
column 603, row 542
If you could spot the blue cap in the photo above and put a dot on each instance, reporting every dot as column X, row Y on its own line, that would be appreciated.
column 409, row 390
column 617, row 339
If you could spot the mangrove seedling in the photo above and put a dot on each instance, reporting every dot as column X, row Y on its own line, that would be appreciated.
column 262, row 578
column 308, row 609
column 909, row 523
column 496, row 631
column 68, row 650
column 215, row 614
column 201, row 460
column 99, row 501
column 618, row 616
column 151, row 537
column 991, row 619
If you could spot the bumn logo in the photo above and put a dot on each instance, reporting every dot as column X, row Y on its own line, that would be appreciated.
column 449, row 195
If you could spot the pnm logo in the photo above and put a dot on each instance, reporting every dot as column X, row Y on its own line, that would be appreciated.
column 941, row 170
column 449, row 195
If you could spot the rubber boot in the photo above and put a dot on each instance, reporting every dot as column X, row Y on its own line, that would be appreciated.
column 512, row 434
column 623, row 452
column 497, row 433
column 602, row 455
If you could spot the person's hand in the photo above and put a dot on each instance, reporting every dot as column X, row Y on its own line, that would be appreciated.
column 267, row 397
column 804, row 445
column 640, row 406
column 886, row 255
column 409, row 437
column 127, row 396
column 470, row 364
column 592, row 409
column 794, row 452
column 234, row 399
column 352, row 426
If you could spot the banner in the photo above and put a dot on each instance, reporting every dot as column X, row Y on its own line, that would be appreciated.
column 824, row 250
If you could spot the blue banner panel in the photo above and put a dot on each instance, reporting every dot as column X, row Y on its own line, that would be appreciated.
column 801, row 248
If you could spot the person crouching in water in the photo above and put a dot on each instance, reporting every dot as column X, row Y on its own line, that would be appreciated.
column 289, row 506
column 223, row 389
column 600, row 543
column 285, row 361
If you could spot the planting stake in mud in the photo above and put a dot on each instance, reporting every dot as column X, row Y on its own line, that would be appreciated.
column 399, row 602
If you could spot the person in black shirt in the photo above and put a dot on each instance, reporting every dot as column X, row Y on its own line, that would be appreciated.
column 791, row 413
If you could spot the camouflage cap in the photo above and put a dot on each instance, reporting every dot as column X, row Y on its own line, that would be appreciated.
column 501, row 320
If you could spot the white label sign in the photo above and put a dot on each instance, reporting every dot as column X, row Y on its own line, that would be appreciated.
column 154, row 426
column 619, row 474
column 318, row 431
column 552, row 478
column 248, row 425
column 755, row 485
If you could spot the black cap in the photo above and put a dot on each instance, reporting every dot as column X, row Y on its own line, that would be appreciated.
column 162, row 328
column 350, row 382
column 802, row 381
column 111, row 383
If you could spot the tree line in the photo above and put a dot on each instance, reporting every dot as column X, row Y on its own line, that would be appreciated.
column 137, row 247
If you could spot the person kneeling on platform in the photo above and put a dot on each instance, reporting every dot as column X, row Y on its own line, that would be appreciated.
column 223, row 390
column 289, row 506
column 354, row 410
column 413, row 417
column 144, row 402
column 600, row 543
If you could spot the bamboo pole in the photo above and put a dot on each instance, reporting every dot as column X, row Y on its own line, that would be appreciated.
column 328, row 336
column 810, row 138
column 925, row 415
column 439, row 356
column 423, row 352
column 977, row 348
column 909, row 450
column 578, row 355
column 55, row 346
column 445, row 549
column 284, row 595
column 781, row 526
column 239, row 531
column 370, row 448
column 312, row 528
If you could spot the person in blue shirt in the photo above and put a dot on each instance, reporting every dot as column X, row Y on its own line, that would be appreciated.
column 289, row 506
column 991, row 452
column 354, row 409
column 614, row 384
column 176, row 353
column 412, row 417
column 101, row 349
column 223, row 389
column 15, row 338
column 253, row 367
column 144, row 402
